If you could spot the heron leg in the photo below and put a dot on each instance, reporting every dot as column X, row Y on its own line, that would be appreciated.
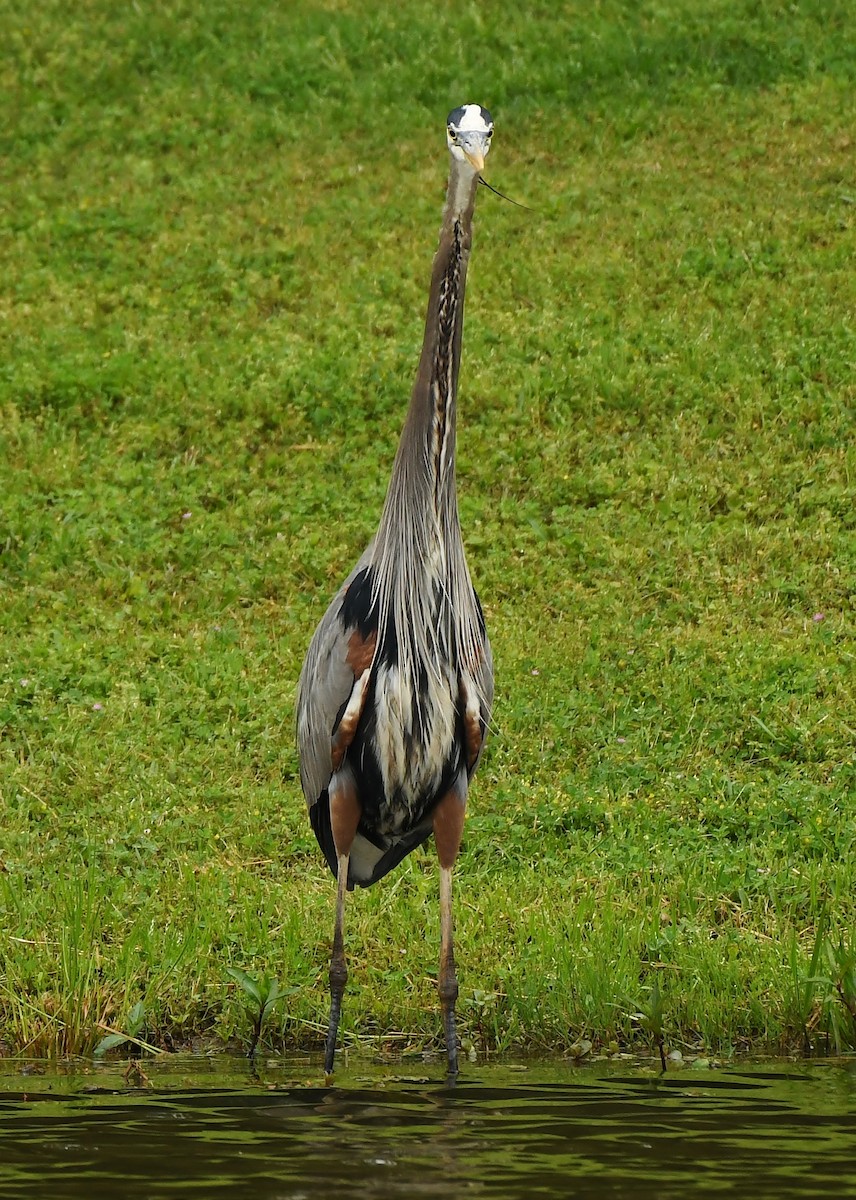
column 344, row 818
column 338, row 965
column 448, row 830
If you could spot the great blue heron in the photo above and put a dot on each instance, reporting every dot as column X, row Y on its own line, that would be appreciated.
column 395, row 693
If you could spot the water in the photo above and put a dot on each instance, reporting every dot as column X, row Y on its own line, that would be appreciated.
column 205, row 1127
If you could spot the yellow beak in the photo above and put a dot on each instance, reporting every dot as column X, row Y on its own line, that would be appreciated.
column 475, row 158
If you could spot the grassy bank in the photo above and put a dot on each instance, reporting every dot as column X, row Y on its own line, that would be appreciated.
column 216, row 229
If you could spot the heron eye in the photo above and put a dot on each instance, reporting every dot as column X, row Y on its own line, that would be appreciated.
column 453, row 133
column 489, row 133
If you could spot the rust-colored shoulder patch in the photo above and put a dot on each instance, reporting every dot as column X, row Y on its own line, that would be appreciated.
column 360, row 651
column 343, row 734
column 473, row 725
column 474, row 738
column 473, row 735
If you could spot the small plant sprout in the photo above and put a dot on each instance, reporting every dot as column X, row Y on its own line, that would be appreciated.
column 264, row 993
column 650, row 1018
column 116, row 1037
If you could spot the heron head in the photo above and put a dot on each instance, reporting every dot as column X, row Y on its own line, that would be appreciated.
column 468, row 133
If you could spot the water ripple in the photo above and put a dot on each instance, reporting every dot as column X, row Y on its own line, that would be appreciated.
column 551, row 1130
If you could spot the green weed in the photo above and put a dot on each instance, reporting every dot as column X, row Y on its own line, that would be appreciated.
column 264, row 994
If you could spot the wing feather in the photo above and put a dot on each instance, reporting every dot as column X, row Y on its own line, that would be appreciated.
column 331, row 689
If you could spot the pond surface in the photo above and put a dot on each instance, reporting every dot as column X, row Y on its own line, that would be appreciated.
column 206, row 1127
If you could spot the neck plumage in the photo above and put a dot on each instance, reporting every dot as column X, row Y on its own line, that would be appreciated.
column 427, row 610
column 424, row 467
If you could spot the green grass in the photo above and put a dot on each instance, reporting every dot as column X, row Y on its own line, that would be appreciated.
column 216, row 228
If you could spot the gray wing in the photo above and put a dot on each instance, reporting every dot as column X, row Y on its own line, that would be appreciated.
column 326, row 685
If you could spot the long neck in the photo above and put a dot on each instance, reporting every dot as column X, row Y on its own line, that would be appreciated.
column 425, row 462
column 426, row 605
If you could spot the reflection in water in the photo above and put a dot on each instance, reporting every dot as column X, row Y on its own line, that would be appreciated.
column 548, row 1130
